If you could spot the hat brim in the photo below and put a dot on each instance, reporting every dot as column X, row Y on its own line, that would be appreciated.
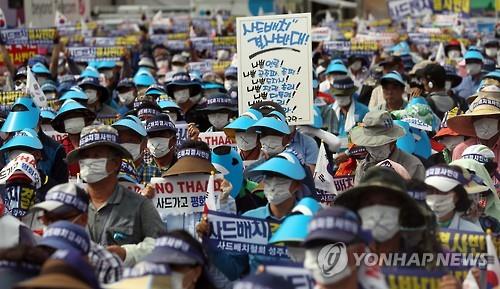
column 48, row 206
column 56, row 243
column 463, row 123
column 194, row 87
column 54, row 281
column 344, row 92
column 455, row 80
column 167, row 255
column 219, row 107
column 278, row 165
column 190, row 165
column 360, row 138
column 320, row 237
column 441, row 183
column 74, row 155
column 445, row 131
column 58, row 121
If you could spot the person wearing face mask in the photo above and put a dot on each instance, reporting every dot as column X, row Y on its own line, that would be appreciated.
column 161, row 143
column 491, row 54
column 50, row 90
column 293, row 230
column 393, row 89
column 147, row 63
column 246, row 141
column 452, row 50
column 171, row 108
column 231, row 78
column 109, row 71
column 20, row 79
column 187, row 260
column 434, row 79
column 358, row 70
column 334, row 69
column 220, row 109
column 71, row 118
column 183, row 90
column 485, row 208
column 41, row 72
column 97, row 97
column 447, row 197
column 341, row 116
column 342, row 227
column 130, row 218
column 142, row 80
column 178, row 64
column 470, row 83
column 385, row 207
column 486, row 157
column 69, row 202
column 133, row 137
column 378, row 134
column 126, row 94
column 388, row 63
column 480, row 124
column 448, row 139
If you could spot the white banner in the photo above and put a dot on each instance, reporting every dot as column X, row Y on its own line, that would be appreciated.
column 321, row 34
column 182, row 194
column 275, row 63
column 25, row 163
column 344, row 183
column 216, row 138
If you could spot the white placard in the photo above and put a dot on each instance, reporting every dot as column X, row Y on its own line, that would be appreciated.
column 275, row 63
column 216, row 138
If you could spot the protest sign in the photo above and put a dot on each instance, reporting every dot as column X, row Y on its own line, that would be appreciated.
column 224, row 42
column 400, row 9
column 343, row 183
column 182, row 194
column 293, row 272
column 85, row 54
column 220, row 66
column 8, row 98
column 275, row 62
column 321, row 34
column 242, row 235
column 466, row 242
column 201, row 43
column 451, row 6
column 28, row 36
column 350, row 47
column 19, row 54
column 400, row 277
column 132, row 186
column 216, row 138
column 323, row 180
column 25, row 163
column 201, row 66
column 182, row 132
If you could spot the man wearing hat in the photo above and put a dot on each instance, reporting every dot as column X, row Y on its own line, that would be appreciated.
column 358, row 70
column 178, row 63
column 71, row 118
column 342, row 227
column 126, row 92
column 231, row 78
column 393, row 88
column 382, row 202
column 480, row 123
column 388, row 63
column 220, row 109
column 345, row 112
column 69, row 202
column 97, row 97
column 161, row 143
column 334, row 69
column 378, row 134
column 491, row 53
column 116, row 215
column 473, row 64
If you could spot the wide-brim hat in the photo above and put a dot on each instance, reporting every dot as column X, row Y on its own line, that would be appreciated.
column 94, row 83
column 285, row 164
column 68, row 107
column 445, row 131
column 487, row 104
column 191, row 161
column 182, row 80
column 220, row 101
column 243, row 122
column 95, row 136
column 377, row 129
column 344, row 92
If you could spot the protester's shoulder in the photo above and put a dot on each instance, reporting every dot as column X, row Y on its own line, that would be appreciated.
column 130, row 196
column 407, row 158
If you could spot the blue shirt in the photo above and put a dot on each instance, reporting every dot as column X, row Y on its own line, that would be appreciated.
column 306, row 146
column 467, row 87
column 359, row 113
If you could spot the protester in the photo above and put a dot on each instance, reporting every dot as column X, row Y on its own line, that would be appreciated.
column 220, row 110
column 470, row 83
column 247, row 141
column 393, row 88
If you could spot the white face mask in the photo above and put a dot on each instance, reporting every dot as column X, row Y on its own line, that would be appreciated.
column 450, row 142
column 162, row 64
column 447, row 85
column 159, row 146
column 230, row 83
column 311, row 264
column 172, row 116
column 93, row 170
column 343, row 101
column 277, row 189
column 134, row 149
column 272, row 144
column 92, row 95
column 219, row 120
column 356, row 65
column 473, row 68
column 454, row 54
column 491, row 52
column 108, row 74
column 178, row 68
column 177, row 280
column 181, row 96
column 486, row 128
column 379, row 153
column 441, row 205
column 296, row 254
column 127, row 97
column 382, row 221
column 74, row 125
column 246, row 141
